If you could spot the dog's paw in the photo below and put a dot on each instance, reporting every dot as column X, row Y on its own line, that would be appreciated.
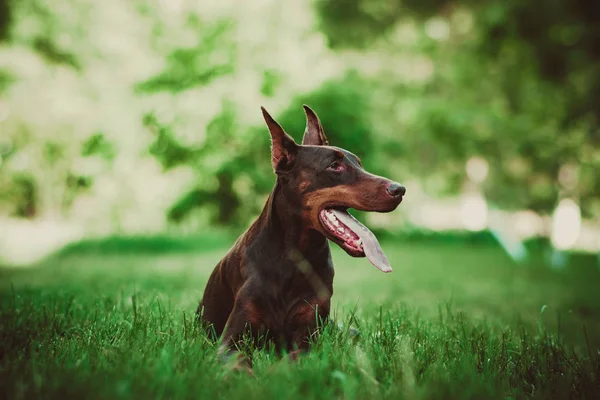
column 295, row 355
column 237, row 363
column 242, row 369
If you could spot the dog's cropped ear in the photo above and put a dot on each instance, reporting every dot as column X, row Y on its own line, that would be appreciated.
column 283, row 147
column 314, row 133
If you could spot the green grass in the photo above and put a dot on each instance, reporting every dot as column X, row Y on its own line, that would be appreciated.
column 451, row 321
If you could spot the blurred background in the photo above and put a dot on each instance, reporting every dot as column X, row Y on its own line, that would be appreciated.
column 142, row 117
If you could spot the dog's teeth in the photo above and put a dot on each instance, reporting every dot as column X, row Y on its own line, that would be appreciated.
column 359, row 242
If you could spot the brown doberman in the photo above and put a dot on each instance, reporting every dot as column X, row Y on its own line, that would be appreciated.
column 276, row 281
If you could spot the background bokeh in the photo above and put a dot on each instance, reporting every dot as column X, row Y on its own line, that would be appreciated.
column 142, row 117
column 133, row 153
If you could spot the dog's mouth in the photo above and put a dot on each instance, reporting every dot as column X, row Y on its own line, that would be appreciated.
column 352, row 236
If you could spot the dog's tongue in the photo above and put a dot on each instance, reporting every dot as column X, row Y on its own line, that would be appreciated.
column 371, row 246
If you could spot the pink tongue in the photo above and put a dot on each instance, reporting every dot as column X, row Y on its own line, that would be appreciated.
column 371, row 246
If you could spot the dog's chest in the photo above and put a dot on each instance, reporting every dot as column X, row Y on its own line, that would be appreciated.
column 288, row 293
column 286, row 303
column 287, row 317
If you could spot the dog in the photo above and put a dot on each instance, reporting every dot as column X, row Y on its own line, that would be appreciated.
column 276, row 282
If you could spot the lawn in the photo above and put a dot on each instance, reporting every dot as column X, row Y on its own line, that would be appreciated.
column 454, row 320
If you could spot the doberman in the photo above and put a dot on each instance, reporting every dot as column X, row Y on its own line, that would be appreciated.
column 276, row 281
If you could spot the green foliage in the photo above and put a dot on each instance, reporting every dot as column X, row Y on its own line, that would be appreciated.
column 271, row 79
column 343, row 108
column 354, row 24
column 104, row 323
column 55, row 55
column 188, row 68
column 44, row 32
column 169, row 152
column 6, row 79
column 186, row 204
column 226, row 159
column 5, row 18
column 24, row 195
column 420, row 88
column 488, row 96
column 519, row 87
column 238, row 157
column 97, row 144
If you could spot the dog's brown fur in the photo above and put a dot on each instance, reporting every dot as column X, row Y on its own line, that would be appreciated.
column 277, row 280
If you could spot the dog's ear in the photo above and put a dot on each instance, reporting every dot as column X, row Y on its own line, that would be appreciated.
column 283, row 147
column 314, row 133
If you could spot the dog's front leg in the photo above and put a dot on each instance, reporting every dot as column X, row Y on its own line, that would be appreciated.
column 237, row 324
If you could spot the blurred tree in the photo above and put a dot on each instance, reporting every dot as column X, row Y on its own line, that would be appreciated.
column 220, row 163
column 5, row 18
column 71, row 123
column 343, row 108
column 237, row 158
column 42, row 167
column 513, row 82
column 412, row 87
column 195, row 66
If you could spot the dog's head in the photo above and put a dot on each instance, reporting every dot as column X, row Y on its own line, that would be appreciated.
column 328, row 180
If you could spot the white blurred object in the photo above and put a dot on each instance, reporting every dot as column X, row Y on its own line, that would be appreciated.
column 526, row 223
column 474, row 212
column 4, row 111
column 566, row 224
column 513, row 246
column 477, row 169
column 23, row 242
column 437, row 29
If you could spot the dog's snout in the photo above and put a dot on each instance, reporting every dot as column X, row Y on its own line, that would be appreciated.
column 395, row 189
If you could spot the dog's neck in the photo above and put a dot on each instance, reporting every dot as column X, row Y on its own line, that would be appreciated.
column 281, row 220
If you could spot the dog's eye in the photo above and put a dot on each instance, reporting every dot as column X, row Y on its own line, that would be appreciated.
column 335, row 166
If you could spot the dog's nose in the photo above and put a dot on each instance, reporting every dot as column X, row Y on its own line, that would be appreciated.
column 396, row 190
